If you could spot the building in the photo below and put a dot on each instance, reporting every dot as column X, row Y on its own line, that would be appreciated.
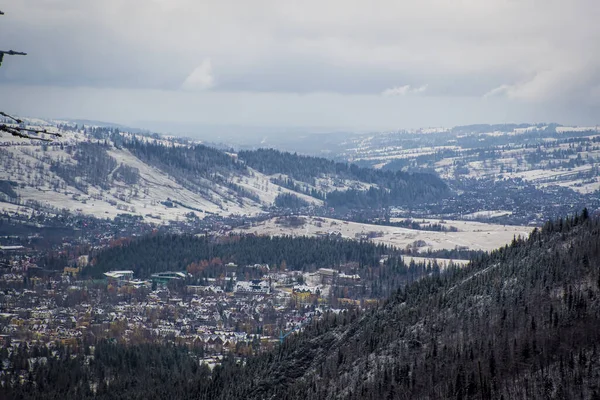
column 164, row 277
column 342, row 277
column 195, row 289
column 256, row 286
column 326, row 275
column 303, row 294
column 125, row 275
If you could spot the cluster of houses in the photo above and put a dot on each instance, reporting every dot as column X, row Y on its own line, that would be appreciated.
column 222, row 315
column 252, row 314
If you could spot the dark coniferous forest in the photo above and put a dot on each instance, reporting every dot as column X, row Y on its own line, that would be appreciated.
column 288, row 200
column 389, row 188
column 521, row 322
column 160, row 253
column 380, row 266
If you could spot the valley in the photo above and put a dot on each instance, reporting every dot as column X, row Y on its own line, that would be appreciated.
column 299, row 200
column 159, row 247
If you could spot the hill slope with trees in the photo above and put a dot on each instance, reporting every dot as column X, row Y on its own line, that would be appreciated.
column 518, row 323
column 105, row 172
column 387, row 188
column 521, row 322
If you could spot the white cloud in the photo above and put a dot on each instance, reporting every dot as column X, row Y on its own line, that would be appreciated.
column 404, row 90
column 201, row 78
column 420, row 89
column 396, row 91
column 498, row 91
column 563, row 82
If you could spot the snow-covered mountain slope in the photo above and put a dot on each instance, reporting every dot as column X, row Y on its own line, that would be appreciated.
column 103, row 172
column 85, row 173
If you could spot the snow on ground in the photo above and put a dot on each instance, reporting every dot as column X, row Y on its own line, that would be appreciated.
column 261, row 185
column 471, row 235
column 380, row 165
column 563, row 129
column 584, row 186
column 14, row 209
column 549, row 174
column 431, row 130
column 159, row 186
column 388, row 154
column 487, row 214
column 514, row 160
column 29, row 166
column 330, row 183
column 323, row 183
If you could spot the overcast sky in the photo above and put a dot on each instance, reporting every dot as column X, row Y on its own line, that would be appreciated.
column 329, row 63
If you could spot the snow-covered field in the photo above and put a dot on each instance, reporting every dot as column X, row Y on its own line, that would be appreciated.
column 563, row 129
column 571, row 159
column 471, row 235
column 267, row 191
column 143, row 199
column 487, row 214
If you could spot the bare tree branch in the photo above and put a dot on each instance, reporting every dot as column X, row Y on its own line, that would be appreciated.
column 20, row 131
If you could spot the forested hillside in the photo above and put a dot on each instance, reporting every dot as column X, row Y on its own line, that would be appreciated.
column 196, row 167
column 105, row 172
column 199, row 159
column 93, row 167
column 108, row 371
column 386, row 188
column 521, row 322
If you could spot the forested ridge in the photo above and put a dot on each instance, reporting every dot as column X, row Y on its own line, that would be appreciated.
column 196, row 167
column 307, row 168
column 108, row 371
column 199, row 159
column 93, row 167
column 521, row 322
column 390, row 188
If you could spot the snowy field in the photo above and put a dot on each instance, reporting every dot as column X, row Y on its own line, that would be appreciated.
column 471, row 235
column 571, row 163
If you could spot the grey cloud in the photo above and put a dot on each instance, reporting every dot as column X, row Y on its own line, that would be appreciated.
column 118, row 43
column 523, row 51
